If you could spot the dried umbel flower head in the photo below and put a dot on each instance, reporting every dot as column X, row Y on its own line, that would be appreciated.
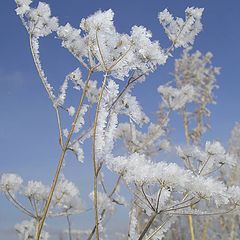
column 197, row 70
column 10, row 182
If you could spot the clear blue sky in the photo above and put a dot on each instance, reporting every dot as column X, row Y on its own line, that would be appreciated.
column 27, row 124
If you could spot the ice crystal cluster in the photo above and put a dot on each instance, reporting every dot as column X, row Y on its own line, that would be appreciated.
column 123, row 139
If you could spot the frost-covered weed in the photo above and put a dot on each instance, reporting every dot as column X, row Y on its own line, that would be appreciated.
column 160, row 190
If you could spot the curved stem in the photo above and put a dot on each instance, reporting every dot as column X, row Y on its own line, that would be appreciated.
column 42, row 77
column 38, row 67
column 182, row 207
column 18, row 205
column 145, row 196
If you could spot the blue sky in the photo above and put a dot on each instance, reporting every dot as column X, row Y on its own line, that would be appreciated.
column 27, row 124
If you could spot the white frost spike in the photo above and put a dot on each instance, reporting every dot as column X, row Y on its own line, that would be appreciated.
column 75, row 76
column 105, row 133
column 100, row 130
column 71, row 111
column 79, row 152
column 110, row 133
column 182, row 33
column 65, row 132
column 59, row 101
column 22, row 6
column 80, row 121
column 35, row 46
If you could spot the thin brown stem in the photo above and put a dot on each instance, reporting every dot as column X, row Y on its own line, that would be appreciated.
column 59, row 128
column 186, row 128
column 186, row 206
column 182, row 202
column 158, row 229
column 204, row 165
column 104, row 210
column 130, row 82
column 34, row 206
column 158, row 198
column 46, row 88
column 18, row 205
column 205, row 214
column 116, row 186
column 145, row 196
column 47, row 205
column 147, row 226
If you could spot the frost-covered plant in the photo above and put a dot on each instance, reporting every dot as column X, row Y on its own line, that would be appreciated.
column 66, row 201
column 26, row 230
column 182, row 33
column 160, row 190
column 190, row 94
column 195, row 81
column 226, row 225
